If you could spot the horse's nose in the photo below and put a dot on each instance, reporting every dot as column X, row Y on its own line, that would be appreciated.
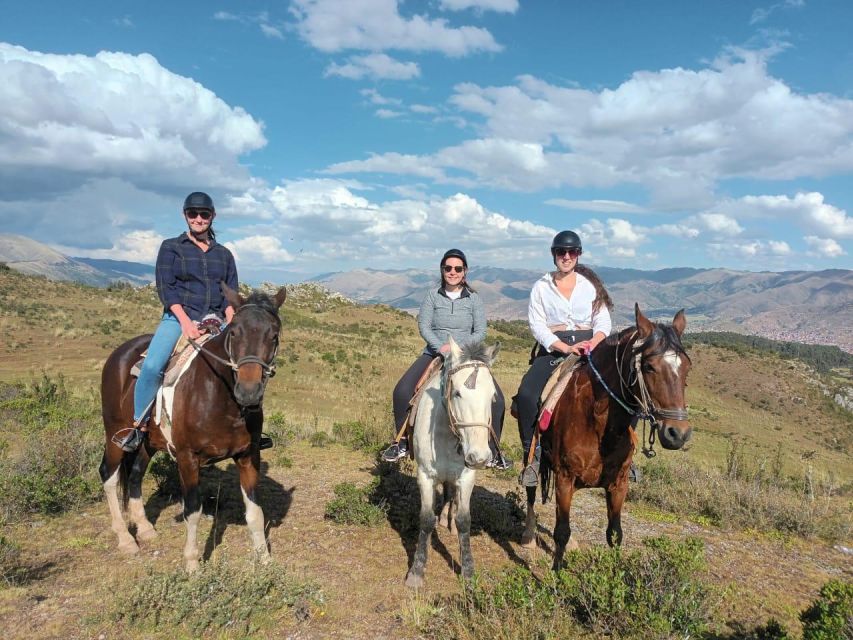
column 477, row 459
column 671, row 437
column 249, row 394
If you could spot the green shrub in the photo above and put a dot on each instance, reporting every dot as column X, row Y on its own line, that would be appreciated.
column 359, row 436
column 220, row 596
column 164, row 472
column 656, row 591
column 352, row 505
column 830, row 617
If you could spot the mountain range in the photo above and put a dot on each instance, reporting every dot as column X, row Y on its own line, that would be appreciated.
column 803, row 306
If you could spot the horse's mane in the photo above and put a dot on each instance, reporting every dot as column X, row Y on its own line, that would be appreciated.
column 263, row 300
column 662, row 339
column 476, row 351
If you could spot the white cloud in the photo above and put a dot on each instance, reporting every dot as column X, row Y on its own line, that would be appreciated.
column 374, row 97
column 503, row 6
column 677, row 230
column 824, row 247
column 761, row 14
column 259, row 249
column 376, row 25
column 718, row 223
column 677, row 132
column 378, row 66
column 423, row 108
column 808, row 209
column 134, row 246
column 618, row 238
column 57, row 118
column 388, row 113
column 323, row 217
column 262, row 20
column 601, row 206
column 778, row 247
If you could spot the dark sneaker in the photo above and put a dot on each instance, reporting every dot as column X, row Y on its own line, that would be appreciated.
column 131, row 441
column 530, row 476
column 634, row 474
column 265, row 442
column 396, row 451
column 499, row 462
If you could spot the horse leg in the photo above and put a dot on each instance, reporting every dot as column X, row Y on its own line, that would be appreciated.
column 110, row 471
column 415, row 577
column 249, row 475
column 528, row 538
column 616, row 494
column 144, row 529
column 188, row 469
column 464, row 487
column 562, row 530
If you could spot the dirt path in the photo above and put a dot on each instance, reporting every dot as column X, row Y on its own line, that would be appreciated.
column 361, row 570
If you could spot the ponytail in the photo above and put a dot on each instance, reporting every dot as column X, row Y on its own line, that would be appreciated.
column 601, row 295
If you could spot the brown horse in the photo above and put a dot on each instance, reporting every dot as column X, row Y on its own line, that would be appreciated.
column 216, row 415
column 639, row 373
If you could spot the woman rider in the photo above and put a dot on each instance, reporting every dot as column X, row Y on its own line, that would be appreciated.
column 568, row 313
column 454, row 309
column 189, row 271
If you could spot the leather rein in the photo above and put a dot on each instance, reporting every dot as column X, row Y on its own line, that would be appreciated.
column 646, row 409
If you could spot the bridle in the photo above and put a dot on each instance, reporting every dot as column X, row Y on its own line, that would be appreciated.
column 470, row 383
column 267, row 367
column 645, row 407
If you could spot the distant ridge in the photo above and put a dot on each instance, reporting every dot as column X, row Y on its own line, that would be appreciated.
column 35, row 258
column 814, row 307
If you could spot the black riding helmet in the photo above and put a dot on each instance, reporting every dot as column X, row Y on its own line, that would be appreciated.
column 198, row 200
column 566, row 240
column 454, row 253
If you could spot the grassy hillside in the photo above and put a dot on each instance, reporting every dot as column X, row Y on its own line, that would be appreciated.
column 766, row 437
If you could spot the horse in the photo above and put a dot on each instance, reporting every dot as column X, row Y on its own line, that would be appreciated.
column 450, row 441
column 217, row 414
column 639, row 373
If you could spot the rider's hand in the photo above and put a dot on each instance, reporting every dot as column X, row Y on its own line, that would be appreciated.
column 560, row 347
column 582, row 348
column 190, row 330
column 444, row 349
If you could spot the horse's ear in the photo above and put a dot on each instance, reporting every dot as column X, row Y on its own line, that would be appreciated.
column 455, row 350
column 644, row 326
column 679, row 322
column 280, row 297
column 233, row 298
column 492, row 353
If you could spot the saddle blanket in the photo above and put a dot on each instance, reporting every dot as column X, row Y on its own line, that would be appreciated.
column 554, row 388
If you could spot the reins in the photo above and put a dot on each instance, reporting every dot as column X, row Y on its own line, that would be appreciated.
column 646, row 411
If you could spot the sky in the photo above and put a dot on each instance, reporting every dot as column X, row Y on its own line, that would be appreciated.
column 343, row 134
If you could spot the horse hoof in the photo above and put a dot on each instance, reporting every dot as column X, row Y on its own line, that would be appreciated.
column 572, row 544
column 528, row 542
column 414, row 581
column 130, row 547
column 192, row 566
column 264, row 558
column 145, row 535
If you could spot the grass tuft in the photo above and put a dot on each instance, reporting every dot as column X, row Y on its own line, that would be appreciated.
column 352, row 505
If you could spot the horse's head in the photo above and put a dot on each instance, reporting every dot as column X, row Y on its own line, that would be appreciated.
column 468, row 393
column 251, row 341
column 661, row 366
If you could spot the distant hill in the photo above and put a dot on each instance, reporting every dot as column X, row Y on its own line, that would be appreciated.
column 35, row 258
column 806, row 306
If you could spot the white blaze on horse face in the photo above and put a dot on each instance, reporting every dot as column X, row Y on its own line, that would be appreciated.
column 673, row 360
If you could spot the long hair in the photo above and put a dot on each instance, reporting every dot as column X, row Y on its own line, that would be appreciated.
column 601, row 295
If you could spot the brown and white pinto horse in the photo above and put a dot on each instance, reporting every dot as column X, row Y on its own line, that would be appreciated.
column 639, row 373
column 216, row 415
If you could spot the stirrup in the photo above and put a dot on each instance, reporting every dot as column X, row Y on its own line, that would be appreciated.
column 530, row 475
column 265, row 442
column 396, row 452
column 131, row 441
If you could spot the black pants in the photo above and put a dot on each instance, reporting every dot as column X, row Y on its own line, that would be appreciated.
column 533, row 383
column 405, row 389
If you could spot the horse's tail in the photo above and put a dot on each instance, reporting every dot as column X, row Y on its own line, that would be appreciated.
column 124, row 469
column 545, row 478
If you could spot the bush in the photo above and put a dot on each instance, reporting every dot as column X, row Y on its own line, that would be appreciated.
column 55, row 467
column 219, row 596
column 164, row 471
column 830, row 617
column 10, row 561
column 352, row 505
column 359, row 436
column 652, row 592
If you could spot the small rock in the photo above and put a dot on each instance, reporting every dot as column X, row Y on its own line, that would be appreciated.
column 843, row 549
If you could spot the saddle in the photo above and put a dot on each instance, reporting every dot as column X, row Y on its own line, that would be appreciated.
column 183, row 352
column 432, row 370
column 554, row 388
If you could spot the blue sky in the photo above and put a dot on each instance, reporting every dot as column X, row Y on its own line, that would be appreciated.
column 336, row 134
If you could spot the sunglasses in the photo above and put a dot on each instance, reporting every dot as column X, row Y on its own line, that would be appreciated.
column 562, row 251
column 192, row 214
column 448, row 268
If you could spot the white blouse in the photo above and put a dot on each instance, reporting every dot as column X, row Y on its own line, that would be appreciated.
column 548, row 307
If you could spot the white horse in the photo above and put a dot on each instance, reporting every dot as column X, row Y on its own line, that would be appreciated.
column 451, row 441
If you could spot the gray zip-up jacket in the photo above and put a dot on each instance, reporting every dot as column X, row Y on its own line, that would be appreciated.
column 440, row 317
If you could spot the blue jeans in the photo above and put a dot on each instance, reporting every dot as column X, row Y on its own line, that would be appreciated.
column 165, row 338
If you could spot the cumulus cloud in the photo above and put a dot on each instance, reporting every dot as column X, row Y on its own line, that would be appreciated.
column 398, row 232
column 134, row 246
column 502, row 6
column 677, row 230
column 376, row 25
column 264, row 250
column 824, row 247
column 377, row 66
column 718, row 223
column 374, row 97
column 59, row 123
column 601, row 206
column 618, row 238
column 807, row 209
column 388, row 113
column 676, row 132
